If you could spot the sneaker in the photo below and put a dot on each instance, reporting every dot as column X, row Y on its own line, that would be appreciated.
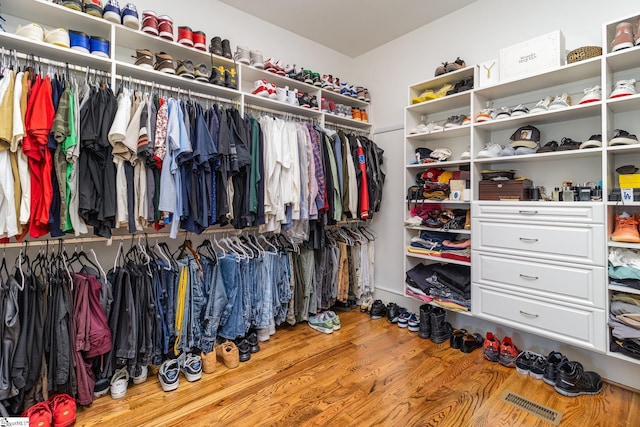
column 360, row 92
column 31, row 31
column 454, row 121
column 440, row 69
column 542, row 105
column 486, row 115
column 549, row 147
column 317, row 81
column 99, row 46
column 624, row 36
column 638, row 33
column 226, row 49
column 466, row 155
column 324, row 104
column 228, row 352
column 560, row 101
column 244, row 350
column 165, row 27
column 63, row 409
column 57, row 36
column 626, row 230
column 413, row 324
column 72, row 4
column 365, row 304
column 140, row 374
column 567, row 144
column 508, row 353
column 164, row 63
column 456, row 65
column 80, row 41
column 200, row 40
column 321, row 323
column 403, row 319
column 255, row 59
column 93, row 8
column 242, row 55
column 393, row 312
column 191, row 367
column 622, row 137
column 363, row 115
column 119, row 383
column 335, row 319
column 130, row 17
column 519, row 110
column 624, row 88
column 185, row 69
column 101, row 387
column 185, row 36
column 111, row 12
column 503, row 113
column 524, row 361
column 263, row 334
column 282, row 94
column 39, row 414
column 591, row 94
column 470, row 342
column 378, row 310
column 367, row 97
column 313, row 103
column 252, row 339
column 169, row 375
column 215, row 47
column 293, row 97
column 490, row 150
column 355, row 114
column 554, row 360
column 573, row 381
column 150, row 22
column 491, row 347
column 538, row 367
column 202, row 73
column 594, row 141
column 208, row 362
column 440, row 154
column 269, row 65
column 303, row 99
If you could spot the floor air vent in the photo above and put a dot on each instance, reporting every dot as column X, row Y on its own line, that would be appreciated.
column 532, row 407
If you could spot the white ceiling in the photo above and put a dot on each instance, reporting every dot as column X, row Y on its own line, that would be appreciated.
column 352, row 27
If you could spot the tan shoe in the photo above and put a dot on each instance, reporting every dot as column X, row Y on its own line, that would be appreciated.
column 229, row 354
column 209, row 362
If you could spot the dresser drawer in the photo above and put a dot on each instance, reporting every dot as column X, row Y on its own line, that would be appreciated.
column 577, row 326
column 548, row 212
column 573, row 283
column 580, row 243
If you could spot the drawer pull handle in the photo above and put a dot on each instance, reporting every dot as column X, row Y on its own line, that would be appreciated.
column 528, row 240
column 524, row 276
column 529, row 212
column 524, row 313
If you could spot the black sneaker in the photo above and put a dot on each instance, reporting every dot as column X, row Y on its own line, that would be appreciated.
column 313, row 102
column 378, row 310
column 252, row 339
column 393, row 312
column 440, row 329
column 538, row 367
column 304, row 100
column 244, row 349
column 524, row 361
column 424, row 330
column 574, row 381
column 226, row 49
column 554, row 360
column 216, row 46
column 216, row 77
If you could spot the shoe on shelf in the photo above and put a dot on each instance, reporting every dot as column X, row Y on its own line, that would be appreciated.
column 317, row 81
column 622, row 137
column 519, row 110
column 567, row 144
column 215, row 46
column 492, row 149
column 119, row 383
column 169, row 374
column 111, row 12
column 456, row 65
column 491, row 347
column 554, row 360
column 260, row 88
column 304, row 100
column 470, row 342
column 313, row 103
column 185, row 36
column 594, row 141
column 503, row 113
column 440, row 154
column 486, row 114
column 99, row 46
column 230, row 78
column 574, row 381
column 360, row 92
column 378, row 310
column 367, row 97
column 165, row 27
column 455, row 341
column 39, row 414
column 164, row 63
column 31, row 31
column 73, row 4
column 149, row 22
column 440, row 329
column 217, row 77
column 549, row 147
column 591, row 94
column 57, row 36
column 454, row 121
column 321, row 323
column 200, row 40
column 624, row 88
column 228, row 352
column 624, row 36
column 560, row 101
column 282, row 94
column 255, row 59
column 293, row 97
column 202, row 73
column 242, row 55
column 542, row 105
column 93, row 8
column 626, row 229
column 130, row 17
column 440, row 69
column 185, row 69
column 508, row 353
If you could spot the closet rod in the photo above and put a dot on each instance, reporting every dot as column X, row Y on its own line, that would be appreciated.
column 347, row 128
column 46, row 61
column 279, row 112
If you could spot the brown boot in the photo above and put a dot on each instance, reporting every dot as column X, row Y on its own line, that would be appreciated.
column 229, row 354
column 208, row 362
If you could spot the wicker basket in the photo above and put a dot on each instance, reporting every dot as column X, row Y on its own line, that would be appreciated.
column 582, row 53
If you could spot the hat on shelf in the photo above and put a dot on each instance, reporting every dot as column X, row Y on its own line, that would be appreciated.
column 627, row 169
column 526, row 136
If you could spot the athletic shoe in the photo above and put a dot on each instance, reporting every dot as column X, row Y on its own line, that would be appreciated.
column 201, row 73
column 292, row 97
column 490, row 150
column 281, row 94
column 144, row 59
column 57, row 36
column 63, row 409
column 393, row 312
column 324, row 104
column 403, row 319
column 119, row 383
column 39, row 414
column 130, row 17
column 524, row 361
column 560, row 101
column 549, row 147
column 164, row 63
column 150, row 22
column 519, row 110
column 93, row 8
column 242, row 55
column 365, row 303
column 491, row 347
column 111, row 12
column 538, row 367
column 638, row 33
column 454, row 121
column 229, row 354
column 315, row 77
column 252, row 339
column 140, row 374
column 321, row 323
column 378, row 310
column 169, row 374
column 165, row 27
column 31, row 31
column 101, row 387
column 303, row 99
column 200, row 40
column 313, row 103
column 255, row 59
column 185, row 69
column 99, row 46
column 72, row 4
column 591, row 94
column 215, row 46
column 503, row 113
column 360, row 92
column 413, row 324
column 554, row 360
column 191, row 366
column 367, row 98
column 626, row 230
column 508, row 353
column 507, row 151
column 624, row 36
column 593, row 142
column 334, row 318
column 226, row 49
column 622, row 137
column 363, row 115
column 80, row 41
column 269, row 65
column 273, row 90
column 217, row 75
column 567, row 144
column 185, row 36
column 486, row 114
column 466, row 155
column 542, row 105
column 624, row 88
column 458, row 64
column 574, row 381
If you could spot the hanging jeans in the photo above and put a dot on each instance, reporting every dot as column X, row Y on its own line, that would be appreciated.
column 216, row 302
column 263, row 290
column 229, row 274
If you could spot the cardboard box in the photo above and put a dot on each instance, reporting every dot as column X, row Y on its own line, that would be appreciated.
column 505, row 190
column 629, row 181
column 533, row 56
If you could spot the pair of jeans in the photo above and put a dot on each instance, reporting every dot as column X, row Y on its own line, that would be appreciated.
column 263, row 291
column 229, row 275
column 197, row 304
column 281, row 287
column 216, row 302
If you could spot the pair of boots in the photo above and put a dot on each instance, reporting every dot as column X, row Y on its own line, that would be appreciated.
column 433, row 324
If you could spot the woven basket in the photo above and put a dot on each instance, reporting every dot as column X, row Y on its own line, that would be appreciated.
column 582, row 53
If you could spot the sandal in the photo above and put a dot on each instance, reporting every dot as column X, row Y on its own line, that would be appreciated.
column 119, row 383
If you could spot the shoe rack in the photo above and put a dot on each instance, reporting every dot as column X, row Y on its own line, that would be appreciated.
column 538, row 266
column 120, row 65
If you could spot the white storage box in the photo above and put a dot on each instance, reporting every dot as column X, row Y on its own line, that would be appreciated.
column 488, row 73
column 532, row 56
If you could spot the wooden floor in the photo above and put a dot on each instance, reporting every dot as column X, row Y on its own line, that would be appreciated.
column 368, row 373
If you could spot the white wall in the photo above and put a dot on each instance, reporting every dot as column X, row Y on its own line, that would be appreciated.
column 476, row 33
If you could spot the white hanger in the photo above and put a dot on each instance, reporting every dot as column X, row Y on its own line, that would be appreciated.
column 95, row 258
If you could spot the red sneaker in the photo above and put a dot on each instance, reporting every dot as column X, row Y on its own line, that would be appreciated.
column 508, row 353
column 63, row 408
column 39, row 415
column 491, row 347
column 200, row 40
column 185, row 36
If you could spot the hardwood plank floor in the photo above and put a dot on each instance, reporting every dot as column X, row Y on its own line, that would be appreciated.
column 368, row 373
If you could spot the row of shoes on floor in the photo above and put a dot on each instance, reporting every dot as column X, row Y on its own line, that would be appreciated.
column 76, row 40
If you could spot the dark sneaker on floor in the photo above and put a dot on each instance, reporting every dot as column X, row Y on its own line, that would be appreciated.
column 574, row 381
column 455, row 341
column 471, row 342
column 508, row 353
column 424, row 330
column 491, row 347
column 538, row 367
column 393, row 312
column 440, row 329
column 244, row 349
column 252, row 338
column 554, row 360
column 378, row 310
column 524, row 361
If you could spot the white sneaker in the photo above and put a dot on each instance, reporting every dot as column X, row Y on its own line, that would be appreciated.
column 273, row 93
column 542, row 105
column 624, row 88
column 490, row 150
column 434, row 127
column 486, row 115
column 519, row 110
column 560, row 101
column 591, row 94
column 119, row 383
column 466, row 155
column 57, row 36
column 242, row 55
column 503, row 113
column 421, row 128
column 293, row 97
column 440, row 154
column 260, row 88
column 255, row 59
column 282, row 94
column 31, row 31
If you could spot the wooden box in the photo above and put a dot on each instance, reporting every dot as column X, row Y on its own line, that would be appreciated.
column 505, row 190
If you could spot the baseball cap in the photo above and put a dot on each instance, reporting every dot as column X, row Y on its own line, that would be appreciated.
column 526, row 136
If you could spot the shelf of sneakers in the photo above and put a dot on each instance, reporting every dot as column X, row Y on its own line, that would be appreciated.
column 430, row 96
